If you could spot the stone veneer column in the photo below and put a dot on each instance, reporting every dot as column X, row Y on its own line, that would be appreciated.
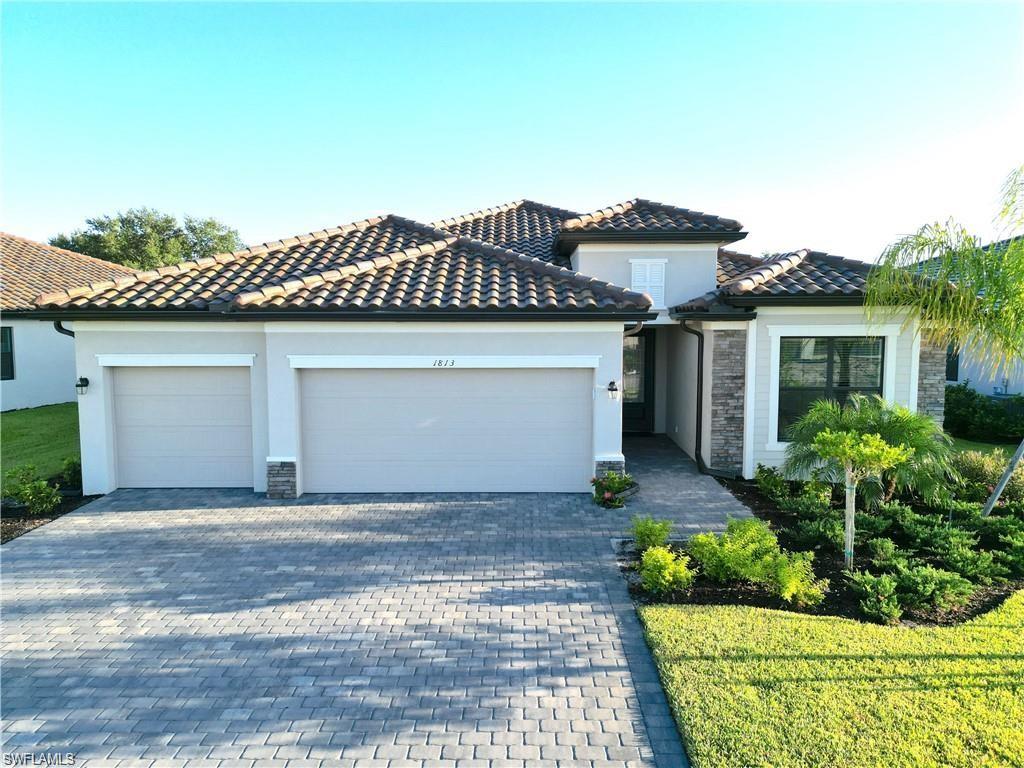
column 604, row 467
column 931, row 381
column 281, row 480
column 728, row 387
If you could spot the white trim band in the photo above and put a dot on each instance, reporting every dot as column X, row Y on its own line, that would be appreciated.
column 174, row 361
column 442, row 362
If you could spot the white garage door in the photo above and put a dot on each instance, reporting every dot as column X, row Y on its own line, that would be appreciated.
column 446, row 430
column 183, row 427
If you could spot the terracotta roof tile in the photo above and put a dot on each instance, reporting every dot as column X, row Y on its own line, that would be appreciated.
column 28, row 269
column 802, row 273
column 523, row 226
column 641, row 215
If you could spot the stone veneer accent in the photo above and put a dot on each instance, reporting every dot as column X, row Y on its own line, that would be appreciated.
column 728, row 381
column 604, row 467
column 281, row 480
column 931, row 381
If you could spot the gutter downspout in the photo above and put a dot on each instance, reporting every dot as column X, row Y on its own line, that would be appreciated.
column 634, row 330
column 61, row 329
column 697, row 441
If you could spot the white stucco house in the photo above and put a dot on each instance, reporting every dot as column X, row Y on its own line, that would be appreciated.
column 37, row 365
column 502, row 350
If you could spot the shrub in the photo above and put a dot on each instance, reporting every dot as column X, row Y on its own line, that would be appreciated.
column 648, row 532
column 886, row 556
column 662, row 571
column 608, row 485
column 24, row 485
column 771, row 483
column 794, row 579
column 975, row 416
column 1011, row 555
column 824, row 531
column 923, row 586
column 749, row 551
column 742, row 553
column 878, row 599
column 980, row 472
column 976, row 565
column 71, row 473
column 807, row 507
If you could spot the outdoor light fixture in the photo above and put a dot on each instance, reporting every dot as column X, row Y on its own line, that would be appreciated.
column 613, row 390
column 82, row 385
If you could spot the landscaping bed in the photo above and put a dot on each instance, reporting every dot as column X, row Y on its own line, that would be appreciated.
column 13, row 523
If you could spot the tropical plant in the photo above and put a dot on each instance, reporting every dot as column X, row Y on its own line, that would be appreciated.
column 861, row 456
column 608, row 486
column 963, row 293
column 925, row 470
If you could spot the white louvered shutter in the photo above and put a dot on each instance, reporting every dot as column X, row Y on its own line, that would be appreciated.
column 649, row 277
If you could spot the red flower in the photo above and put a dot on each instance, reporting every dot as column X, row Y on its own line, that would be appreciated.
column 607, row 494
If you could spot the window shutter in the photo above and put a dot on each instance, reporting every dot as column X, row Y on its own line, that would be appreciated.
column 649, row 277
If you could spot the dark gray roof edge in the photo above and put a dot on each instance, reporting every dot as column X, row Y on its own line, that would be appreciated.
column 506, row 315
column 720, row 236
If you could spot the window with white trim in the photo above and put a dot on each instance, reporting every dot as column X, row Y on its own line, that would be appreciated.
column 648, row 276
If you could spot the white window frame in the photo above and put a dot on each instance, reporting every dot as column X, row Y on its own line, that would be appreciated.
column 647, row 287
column 890, row 333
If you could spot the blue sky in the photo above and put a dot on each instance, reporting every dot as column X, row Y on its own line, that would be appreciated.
column 834, row 126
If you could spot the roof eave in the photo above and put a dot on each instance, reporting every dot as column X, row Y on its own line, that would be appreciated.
column 350, row 315
column 806, row 300
column 567, row 240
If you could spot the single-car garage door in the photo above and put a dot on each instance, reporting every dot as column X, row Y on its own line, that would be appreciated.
column 183, row 427
column 372, row 430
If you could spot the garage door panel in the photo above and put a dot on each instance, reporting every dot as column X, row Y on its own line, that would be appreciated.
column 430, row 430
column 183, row 427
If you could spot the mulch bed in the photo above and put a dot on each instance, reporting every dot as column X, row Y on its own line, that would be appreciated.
column 14, row 523
column 840, row 600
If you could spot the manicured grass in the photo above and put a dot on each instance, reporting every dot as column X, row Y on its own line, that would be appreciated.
column 43, row 436
column 757, row 687
column 962, row 444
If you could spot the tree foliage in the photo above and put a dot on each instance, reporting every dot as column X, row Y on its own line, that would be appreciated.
column 966, row 293
column 143, row 238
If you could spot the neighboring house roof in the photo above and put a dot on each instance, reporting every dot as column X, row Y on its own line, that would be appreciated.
column 930, row 267
column 386, row 264
column 28, row 268
column 523, row 226
column 787, row 277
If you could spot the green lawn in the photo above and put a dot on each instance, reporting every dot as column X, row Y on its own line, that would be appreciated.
column 963, row 444
column 43, row 436
column 754, row 687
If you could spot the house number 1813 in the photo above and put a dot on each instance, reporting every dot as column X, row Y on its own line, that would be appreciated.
column 444, row 363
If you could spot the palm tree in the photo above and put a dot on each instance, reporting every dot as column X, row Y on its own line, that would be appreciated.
column 966, row 294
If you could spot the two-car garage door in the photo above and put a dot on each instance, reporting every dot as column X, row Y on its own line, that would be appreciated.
column 362, row 430
column 373, row 430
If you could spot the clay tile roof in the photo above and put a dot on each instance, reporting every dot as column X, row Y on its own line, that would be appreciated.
column 385, row 264
column 806, row 274
column 646, row 216
column 28, row 268
column 460, row 274
column 523, row 226
column 732, row 264
column 218, row 280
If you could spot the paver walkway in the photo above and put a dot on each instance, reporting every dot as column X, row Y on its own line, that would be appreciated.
column 216, row 628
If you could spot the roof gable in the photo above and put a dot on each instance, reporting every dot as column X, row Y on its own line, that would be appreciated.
column 639, row 216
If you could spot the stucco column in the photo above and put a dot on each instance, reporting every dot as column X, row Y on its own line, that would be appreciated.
column 283, row 428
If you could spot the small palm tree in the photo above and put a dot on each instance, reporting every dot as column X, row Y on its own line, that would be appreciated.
column 964, row 293
column 924, row 471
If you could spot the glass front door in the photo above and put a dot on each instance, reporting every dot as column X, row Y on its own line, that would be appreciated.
column 638, row 382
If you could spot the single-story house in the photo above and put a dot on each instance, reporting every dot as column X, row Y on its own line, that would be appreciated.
column 502, row 350
column 37, row 366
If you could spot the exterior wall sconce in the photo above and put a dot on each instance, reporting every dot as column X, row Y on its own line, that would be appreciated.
column 613, row 391
column 82, row 385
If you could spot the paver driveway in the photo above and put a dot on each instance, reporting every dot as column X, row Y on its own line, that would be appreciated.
column 219, row 628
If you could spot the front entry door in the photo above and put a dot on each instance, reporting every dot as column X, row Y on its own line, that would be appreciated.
column 638, row 382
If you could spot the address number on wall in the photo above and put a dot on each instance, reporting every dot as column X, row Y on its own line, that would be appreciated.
column 444, row 363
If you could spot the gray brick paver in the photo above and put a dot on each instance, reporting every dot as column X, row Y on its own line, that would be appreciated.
column 215, row 627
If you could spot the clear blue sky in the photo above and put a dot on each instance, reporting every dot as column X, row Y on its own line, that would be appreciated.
column 835, row 126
